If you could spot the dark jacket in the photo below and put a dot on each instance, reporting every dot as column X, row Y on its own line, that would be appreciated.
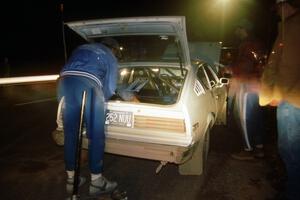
column 97, row 62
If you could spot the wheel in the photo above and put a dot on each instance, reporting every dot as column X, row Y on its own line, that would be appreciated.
column 205, row 151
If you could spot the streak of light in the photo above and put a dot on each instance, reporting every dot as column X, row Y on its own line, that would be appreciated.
column 27, row 79
column 36, row 101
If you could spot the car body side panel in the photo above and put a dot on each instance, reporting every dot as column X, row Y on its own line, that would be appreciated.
column 197, row 107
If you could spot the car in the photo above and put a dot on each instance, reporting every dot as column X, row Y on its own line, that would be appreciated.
column 178, row 95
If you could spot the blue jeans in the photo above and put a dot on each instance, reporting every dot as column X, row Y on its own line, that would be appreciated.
column 288, row 118
column 72, row 87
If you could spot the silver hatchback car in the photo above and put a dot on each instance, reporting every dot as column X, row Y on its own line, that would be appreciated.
column 178, row 95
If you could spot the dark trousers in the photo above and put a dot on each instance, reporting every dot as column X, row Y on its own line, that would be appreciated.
column 71, row 88
column 288, row 122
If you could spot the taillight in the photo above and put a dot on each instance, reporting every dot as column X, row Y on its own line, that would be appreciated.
column 159, row 123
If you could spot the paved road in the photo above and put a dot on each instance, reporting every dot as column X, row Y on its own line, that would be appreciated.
column 31, row 165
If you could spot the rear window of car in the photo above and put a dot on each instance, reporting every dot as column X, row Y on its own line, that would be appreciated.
column 147, row 48
column 159, row 85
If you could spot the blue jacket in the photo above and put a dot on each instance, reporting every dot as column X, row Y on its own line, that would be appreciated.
column 94, row 61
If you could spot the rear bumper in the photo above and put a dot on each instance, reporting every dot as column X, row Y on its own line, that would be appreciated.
column 168, row 153
column 173, row 154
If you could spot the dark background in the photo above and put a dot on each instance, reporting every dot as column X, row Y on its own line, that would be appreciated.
column 32, row 30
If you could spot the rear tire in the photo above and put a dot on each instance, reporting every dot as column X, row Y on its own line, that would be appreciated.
column 205, row 152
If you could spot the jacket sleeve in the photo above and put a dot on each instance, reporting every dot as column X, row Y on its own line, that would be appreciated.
column 112, row 77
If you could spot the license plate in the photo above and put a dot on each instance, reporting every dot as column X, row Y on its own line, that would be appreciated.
column 119, row 118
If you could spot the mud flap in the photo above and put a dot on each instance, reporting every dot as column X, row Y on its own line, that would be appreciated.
column 194, row 165
column 197, row 164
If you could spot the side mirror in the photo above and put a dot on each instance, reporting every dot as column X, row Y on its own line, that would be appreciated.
column 223, row 81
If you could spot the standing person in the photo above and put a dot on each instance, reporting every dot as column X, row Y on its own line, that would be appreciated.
column 281, row 88
column 92, row 68
column 246, row 71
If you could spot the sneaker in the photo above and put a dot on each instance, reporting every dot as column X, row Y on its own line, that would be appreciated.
column 243, row 155
column 102, row 186
column 70, row 183
column 259, row 153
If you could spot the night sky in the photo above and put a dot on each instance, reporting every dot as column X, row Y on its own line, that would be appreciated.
column 32, row 31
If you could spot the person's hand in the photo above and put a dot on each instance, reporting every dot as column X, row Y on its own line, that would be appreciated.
column 116, row 97
column 135, row 99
